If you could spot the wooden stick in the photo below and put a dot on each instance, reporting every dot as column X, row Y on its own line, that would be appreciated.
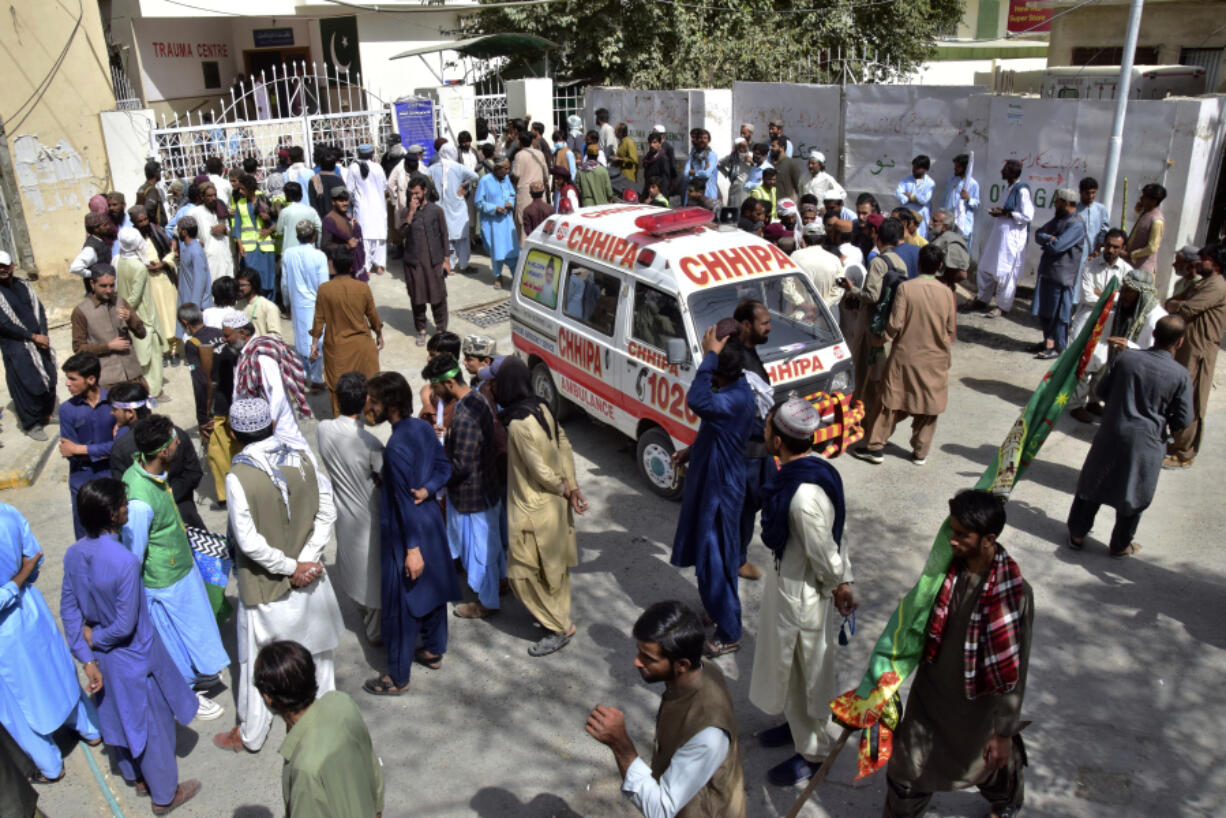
column 820, row 775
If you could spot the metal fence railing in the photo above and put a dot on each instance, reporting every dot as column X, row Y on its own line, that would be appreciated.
column 126, row 98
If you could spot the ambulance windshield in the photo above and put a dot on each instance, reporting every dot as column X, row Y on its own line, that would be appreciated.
column 800, row 320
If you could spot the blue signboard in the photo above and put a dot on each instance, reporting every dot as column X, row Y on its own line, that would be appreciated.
column 273, row 37
column 415, row 122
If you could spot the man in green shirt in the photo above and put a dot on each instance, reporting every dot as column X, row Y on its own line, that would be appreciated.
column 330, row 766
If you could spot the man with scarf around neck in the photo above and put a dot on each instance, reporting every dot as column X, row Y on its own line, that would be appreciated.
column 695, row 769
column 419, row 577
column 1004, row 250
column 178, row 602
column 281, row 515
column 803, row 513
column 962, row 725
column 29, row 360
column 708, row 529
column 542, row 498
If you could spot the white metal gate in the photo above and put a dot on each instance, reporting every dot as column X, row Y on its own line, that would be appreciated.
column 301, row 105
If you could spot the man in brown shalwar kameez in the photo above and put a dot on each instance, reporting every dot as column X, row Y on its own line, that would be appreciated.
column 962, row 726
column 922, row 327
column 1203, row 305
column 347, row 308
column 427, row 258
column 104, row 324
column 528, row 166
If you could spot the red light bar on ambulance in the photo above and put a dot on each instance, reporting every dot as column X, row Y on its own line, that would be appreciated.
column 673, row 221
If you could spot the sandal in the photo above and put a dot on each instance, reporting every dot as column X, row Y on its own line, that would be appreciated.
column 1074, row 544
column 474, row 610
column 39, row 778
column 421, row 340
column 1127, row 551
column 423, row 657
column 551, row 643
column 717, row 647
column 383, row 686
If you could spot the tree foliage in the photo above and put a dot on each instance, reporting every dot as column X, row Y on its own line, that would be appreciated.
column 712, row 43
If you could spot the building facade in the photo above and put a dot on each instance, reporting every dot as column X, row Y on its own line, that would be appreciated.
column 52, row 157
column 1173, row 32
column 180, row 57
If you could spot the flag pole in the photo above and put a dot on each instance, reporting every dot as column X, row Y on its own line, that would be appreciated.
column 820, row 775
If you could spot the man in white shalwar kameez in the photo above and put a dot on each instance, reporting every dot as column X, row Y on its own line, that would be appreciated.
column 802, row 523
column 453, row 181
column 281, row 516
column 367, row 185
column 216, row 244
column 354, row 460
column 1004, row 250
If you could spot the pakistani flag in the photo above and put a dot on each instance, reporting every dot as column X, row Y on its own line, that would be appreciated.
column 340, row 43
column 875, row 706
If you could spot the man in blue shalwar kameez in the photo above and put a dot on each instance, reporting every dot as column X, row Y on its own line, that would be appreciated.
column 303, row 270
column 38, row 682
column 87, row 427
column 453, row 181
column 419, row 576
column 106, row 621
column 496, row 206
column 708, row 530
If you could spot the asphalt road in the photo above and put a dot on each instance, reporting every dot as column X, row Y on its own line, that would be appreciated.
column 1126, row 667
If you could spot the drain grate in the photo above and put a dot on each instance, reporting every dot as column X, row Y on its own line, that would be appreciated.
column 488, row 314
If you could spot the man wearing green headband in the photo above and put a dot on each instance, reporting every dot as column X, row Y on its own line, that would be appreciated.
column 474, row 491
column 174, row 588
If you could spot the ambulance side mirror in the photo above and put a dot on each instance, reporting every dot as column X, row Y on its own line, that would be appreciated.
column 678, row 353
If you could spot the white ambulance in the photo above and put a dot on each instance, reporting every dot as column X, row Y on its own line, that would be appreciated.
column 609, row 305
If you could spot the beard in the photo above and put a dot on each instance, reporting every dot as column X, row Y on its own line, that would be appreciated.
column 116, row 218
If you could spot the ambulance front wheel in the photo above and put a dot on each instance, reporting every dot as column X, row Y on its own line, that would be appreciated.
column 655, row 453
column 546, row 390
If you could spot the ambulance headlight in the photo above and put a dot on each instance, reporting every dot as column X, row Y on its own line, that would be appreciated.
column 841, row 381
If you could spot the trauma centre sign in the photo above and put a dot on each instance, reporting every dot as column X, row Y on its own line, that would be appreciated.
column 200, row 51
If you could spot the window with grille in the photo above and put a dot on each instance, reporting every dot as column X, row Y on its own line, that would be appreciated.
column 1090, row 55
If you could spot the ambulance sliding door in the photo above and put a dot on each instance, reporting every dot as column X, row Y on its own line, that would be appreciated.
column 592, row 332
column 658, row 388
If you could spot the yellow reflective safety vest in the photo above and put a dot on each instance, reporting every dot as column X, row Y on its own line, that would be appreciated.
column 248, row 227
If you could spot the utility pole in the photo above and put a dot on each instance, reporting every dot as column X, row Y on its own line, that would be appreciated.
column 1116, row 145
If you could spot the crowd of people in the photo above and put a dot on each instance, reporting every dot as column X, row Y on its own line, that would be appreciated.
column 473, row 498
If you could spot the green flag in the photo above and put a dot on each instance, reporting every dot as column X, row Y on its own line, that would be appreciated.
column 874, row 705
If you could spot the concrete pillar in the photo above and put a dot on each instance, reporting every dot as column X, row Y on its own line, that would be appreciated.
column 533, row 96
column 128, row 139
column 457, row 105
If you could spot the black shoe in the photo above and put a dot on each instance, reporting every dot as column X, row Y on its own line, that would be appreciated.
column 868, row 455
column 778, row 736
column 792, row 771
column 1082, row 414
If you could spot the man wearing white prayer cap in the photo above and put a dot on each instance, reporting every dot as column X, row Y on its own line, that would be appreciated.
column 820, row 182
column 809, row 589
column 735, row 167
column 281, row 515
column 268, row 368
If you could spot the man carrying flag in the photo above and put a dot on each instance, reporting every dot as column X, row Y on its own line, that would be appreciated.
column 908, row 637
column 963, row 723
